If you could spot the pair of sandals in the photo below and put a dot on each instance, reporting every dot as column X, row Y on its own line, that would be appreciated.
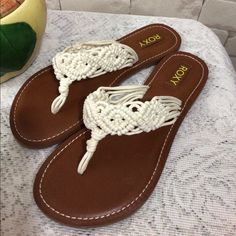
column 104, row 172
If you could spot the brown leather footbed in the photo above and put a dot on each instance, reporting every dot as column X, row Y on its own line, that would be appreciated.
column 31, row 120
column 124, row 169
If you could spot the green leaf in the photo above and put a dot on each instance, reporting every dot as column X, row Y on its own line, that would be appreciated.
column 17, row 43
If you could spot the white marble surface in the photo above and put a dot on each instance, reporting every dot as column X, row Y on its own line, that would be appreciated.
column 197, row 190
column 53, row 4
column 170, row 8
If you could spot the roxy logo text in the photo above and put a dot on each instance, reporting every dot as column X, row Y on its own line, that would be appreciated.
column 150, row 40
column 179, row 74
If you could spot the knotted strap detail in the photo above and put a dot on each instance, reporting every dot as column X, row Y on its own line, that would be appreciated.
column 91, row 148
column 88, row 60
column 119, row 111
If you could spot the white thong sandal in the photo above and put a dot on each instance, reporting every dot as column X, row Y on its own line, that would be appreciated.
column 99, row 177
column 45, row 111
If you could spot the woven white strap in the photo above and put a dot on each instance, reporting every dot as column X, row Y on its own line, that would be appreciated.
column 88, row 60
column 118, row 111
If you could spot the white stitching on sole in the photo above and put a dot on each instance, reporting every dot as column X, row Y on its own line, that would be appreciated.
column 14, row 114
column 150, row 180
column 63, row 131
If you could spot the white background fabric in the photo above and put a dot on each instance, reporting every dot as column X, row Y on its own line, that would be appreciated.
column 196, row 194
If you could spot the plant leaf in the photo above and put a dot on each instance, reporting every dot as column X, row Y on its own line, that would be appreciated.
column 17, row 43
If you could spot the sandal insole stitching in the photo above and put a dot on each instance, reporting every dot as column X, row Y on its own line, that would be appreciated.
column 155, row 170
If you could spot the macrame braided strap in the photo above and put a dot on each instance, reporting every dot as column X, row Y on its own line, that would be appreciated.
column 119, row 111
column 88, row 60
